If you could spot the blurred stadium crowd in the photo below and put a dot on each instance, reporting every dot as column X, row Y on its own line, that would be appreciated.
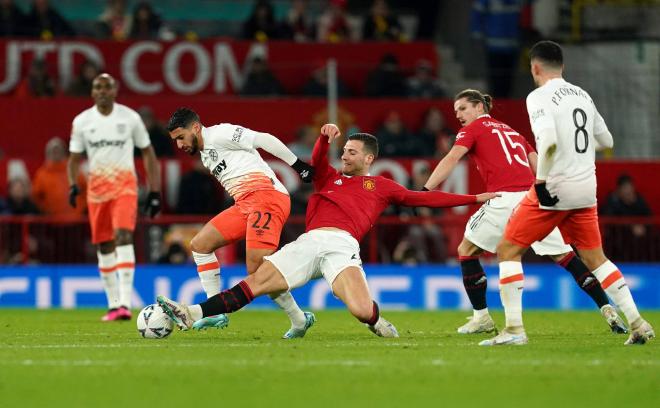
column 495, row 31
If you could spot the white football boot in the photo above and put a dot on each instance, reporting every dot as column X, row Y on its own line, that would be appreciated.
column 506, row 338
column 177, row 311
column 483, row 324
column 383, row 328
column 296, row 333
column 641, row 332
column 613, row 319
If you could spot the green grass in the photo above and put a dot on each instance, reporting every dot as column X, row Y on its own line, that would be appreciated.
column 70, row 359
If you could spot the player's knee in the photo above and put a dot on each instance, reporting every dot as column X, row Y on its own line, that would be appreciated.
column 465, row 248
column 123, row 237
column 506, row 251
column 198, row 244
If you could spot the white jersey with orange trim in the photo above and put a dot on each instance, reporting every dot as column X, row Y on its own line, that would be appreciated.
column 109, row 142
column 231, row 157
column 569, row 112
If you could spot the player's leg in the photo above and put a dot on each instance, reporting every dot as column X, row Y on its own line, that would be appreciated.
column 102, row 237
column 267, row 279
column 554, row 246
column 268, row 211
column 582, row 228
column 475, row 284
column 483, row 232
column 124, row 217
column 527, row 224
column 351, row 287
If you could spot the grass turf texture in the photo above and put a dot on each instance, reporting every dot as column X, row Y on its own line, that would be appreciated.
column 70, row 359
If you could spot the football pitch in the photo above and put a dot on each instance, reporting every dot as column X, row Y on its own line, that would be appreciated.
column 60, row 358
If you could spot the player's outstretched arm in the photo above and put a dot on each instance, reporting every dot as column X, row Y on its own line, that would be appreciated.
column 320, row 160
column 445, row 167
column 331, row 131
column 483, row 197
column 274, row 146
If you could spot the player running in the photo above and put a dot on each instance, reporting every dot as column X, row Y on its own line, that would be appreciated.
column 341, row 211
column 108, row 132
column 568, row 130
column 507, row 164
column 262, row 204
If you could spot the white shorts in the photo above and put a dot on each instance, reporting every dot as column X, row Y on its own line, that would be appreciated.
column 486, row 226
column 315, row 254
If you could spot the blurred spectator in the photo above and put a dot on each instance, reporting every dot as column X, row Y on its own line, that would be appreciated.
column 305, row 139
column 50, row 186
column 45, row 22
column 145, row 24
column 38, row 83
column 175, row 254
column 199, row 192
column 387, row 79
column 115, row 22
column 82, row 83
column 317, row 85
column 261, row 24
column 18, row 198
column 260, row 80
column 496, row 23
column 333, row 24
column 12, row 20
column 625, row 200
column 395, row 140
column 423, row 242
column 298, row 25
column 160, row 138
column 423, row 84
column 434, row 133
column 381, row 25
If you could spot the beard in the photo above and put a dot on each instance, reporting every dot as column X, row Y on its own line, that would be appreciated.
column 194, row 148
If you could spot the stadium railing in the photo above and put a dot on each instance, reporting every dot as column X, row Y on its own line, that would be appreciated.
column 56, row 240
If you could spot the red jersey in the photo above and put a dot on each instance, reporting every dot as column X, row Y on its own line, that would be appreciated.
column 353, row 203
column 500, row 153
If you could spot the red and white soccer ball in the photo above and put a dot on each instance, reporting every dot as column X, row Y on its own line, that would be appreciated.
column 154, row 323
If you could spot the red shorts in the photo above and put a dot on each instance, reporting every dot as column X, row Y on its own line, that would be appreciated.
column 108, row 216
column 258, row 217
column 529, row 223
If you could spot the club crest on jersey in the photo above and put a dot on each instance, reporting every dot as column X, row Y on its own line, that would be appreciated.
column 338, row 182
column 121, row 127
column 213, row 154
column 369, row 184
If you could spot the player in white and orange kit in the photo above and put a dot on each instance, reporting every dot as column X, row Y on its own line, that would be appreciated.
column 568, row 131
column 108, row 132
column 343, row 208
column 262, row 203
column 506, row 163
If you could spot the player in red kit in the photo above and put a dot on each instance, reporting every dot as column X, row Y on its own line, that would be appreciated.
column 341, row 211
column 507, row 164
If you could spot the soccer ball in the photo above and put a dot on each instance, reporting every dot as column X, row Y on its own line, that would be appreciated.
column 154, row 323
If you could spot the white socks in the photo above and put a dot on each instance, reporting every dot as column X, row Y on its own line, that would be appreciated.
column 208, row 269
column 615, row 286
column 126, row 271
column 287, row 303
column 108, row 272
column 511, row 288
column 478, row 314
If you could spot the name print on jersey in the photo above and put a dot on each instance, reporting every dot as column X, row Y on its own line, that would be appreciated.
column 237, row 134
column 566, row 91
column 106, row 143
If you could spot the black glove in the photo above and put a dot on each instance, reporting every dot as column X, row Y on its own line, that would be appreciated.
column 544, row 196
column 304, row 170
column 73, row 194
column 152, row 206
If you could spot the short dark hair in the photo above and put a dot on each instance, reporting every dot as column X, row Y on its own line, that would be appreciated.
column 369, row 140
column 548, row 52
column 182, row 118
column 473, row 96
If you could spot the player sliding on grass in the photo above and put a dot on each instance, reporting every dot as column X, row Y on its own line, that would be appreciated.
column 507, row 164
column 262, row 203
column 343, row 208
column 568, row 130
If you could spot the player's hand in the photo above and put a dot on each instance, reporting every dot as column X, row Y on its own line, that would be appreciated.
column 483, row 197
column 544, row 196
column 152, row 206
column 73, row 194
column 304, row 170
column 330, row 130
